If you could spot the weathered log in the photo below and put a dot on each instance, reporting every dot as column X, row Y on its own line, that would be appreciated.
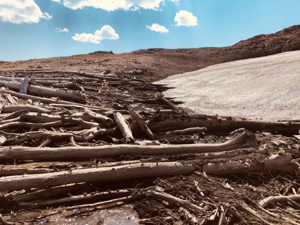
column 15, row 139
column 274, row 162
column 142, row 124
column 100, row 118
column 24, row 86
column 19, row 152
column 170, row 198
column 263, row 203
column 48, row 193
column 223, row 124
column 170, row 104
column 79, row 106
column 86, row 74
column 191, row 130
column 30, row 108
column 11, row 170
column 2, row 140
column 2, row 105
column 46, row 100
column 11, row 99
column 43, row 91
column 75, row 198
column 33, row 126
column 120, row 121
column 109, row 203
column 103, row 174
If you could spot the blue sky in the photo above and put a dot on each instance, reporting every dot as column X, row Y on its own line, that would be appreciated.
column 49, row 28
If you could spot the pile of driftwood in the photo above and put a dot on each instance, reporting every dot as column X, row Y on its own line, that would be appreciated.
column 57, row 138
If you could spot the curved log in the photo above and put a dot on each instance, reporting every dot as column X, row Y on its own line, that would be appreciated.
column 18, row 152
column 263, row 203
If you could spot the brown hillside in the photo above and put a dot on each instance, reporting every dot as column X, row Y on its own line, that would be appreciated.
column 155, row 64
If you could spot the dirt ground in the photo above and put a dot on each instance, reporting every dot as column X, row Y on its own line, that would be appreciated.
column 233, row 196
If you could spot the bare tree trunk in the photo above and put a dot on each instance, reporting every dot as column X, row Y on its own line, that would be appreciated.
column 19, row 152
column 108, row 122
column 142, row 124
column 44, row 91
column 103, row 174
column 127, row 134
column 227, row 124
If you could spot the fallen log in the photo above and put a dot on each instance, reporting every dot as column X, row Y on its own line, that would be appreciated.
column 18, row 152
column 30, row 108
column 33, row 126
column 48, row 193
column 11, row 170
column 142, row 124
column 266, row 201
column 43, row 91
column 172, row 199
column 100, row 118
column 104, row 174
column 170, row 104
column 15, row 139
column 175, row 121
column 46, row 100
column 109, row 203
column 274, row 162
column 120, row 121
column 86, row 74
column 191, row 130
column 76, row 198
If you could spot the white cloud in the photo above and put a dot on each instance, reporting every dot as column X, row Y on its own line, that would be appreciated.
column 106, row 32
column 111, row 5
column 65, row 30
column 185, row 18
column 21, row 11
column 158, row 28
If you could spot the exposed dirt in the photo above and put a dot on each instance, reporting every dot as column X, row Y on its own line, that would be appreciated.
column 215, row 195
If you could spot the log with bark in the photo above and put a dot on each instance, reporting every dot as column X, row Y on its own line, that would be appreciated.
column 18, row 152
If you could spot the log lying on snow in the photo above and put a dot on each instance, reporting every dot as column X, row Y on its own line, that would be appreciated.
column 43, row 91
column 274, row 162
column 103, row 174
column 227, row 124
column 18, row 152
